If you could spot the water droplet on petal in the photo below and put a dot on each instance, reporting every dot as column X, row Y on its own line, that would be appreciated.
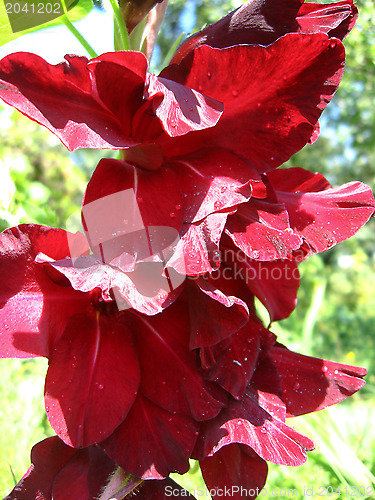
column 178, row 207
column 333, row 43
column 100, row 386
column 234, row 93
column 172, row 214
column 209, row 75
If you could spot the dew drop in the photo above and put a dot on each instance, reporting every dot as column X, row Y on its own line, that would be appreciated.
column 209, row 75
column 100, row 386
column 178, row 207
column 325, row 369
column 263, row 430
column 217, row 205
column 333, row 43
column 172, row 214
column 336, row 372
column 234, row 93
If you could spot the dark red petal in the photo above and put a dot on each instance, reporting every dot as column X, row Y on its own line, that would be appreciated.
column 120, row 80
column 152, row 442
column 214, row 316
column 256, row 420
column 262, row 22
column 197, row 252
column 297, row 180
column 336, row 19
column 48, row 458
column 92, row 379
column 161, row 490
column 324, row 218
column 311, row 384
column 84, row 476
column 34, row 307
column 133, row 11
column 259, row 22
column 235, row 468
column 182, row 109
column 233, row 366
column 122, row 204
column 275, row 283
column 212, row 180
column 59, row 472
column 272, row 105
column 147, row 289
column 261, row 230
column 170, row 371
column 61, row 97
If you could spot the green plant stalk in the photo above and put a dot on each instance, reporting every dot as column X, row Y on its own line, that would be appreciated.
column 120, row 485
column 312, row 315
column 120, row 27
column 82, row 40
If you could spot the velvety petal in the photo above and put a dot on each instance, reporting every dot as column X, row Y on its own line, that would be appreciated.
column 275, row 283
column 271, row 107
column 311, row 384
column 336, row 19
column 233, row 366
column 261, row 229
column 131, row 212
column 182, row 109
column 262, row 22
column 148, row 288
column 92, row 379
column 34, row 307
column 237, row 468
column 256, row 420
column 165, row 446
column 212, row 180
column 197, row 252
column 48, row 458
column 322, row 218
column 63, row 98
column 84, row 476
column 245, row 422
column 214, row 316
column 259, row 22
column 161, row 490
column 133, row 11
column 60, row 472
column 170, row 372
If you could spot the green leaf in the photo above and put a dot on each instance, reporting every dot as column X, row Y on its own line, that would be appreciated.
column 26, row 13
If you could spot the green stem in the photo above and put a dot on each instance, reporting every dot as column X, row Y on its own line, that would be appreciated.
column 65, row 20
column 120, row 25
column 120, row 485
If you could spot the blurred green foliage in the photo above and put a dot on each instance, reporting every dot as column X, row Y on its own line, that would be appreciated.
column 41, row 182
